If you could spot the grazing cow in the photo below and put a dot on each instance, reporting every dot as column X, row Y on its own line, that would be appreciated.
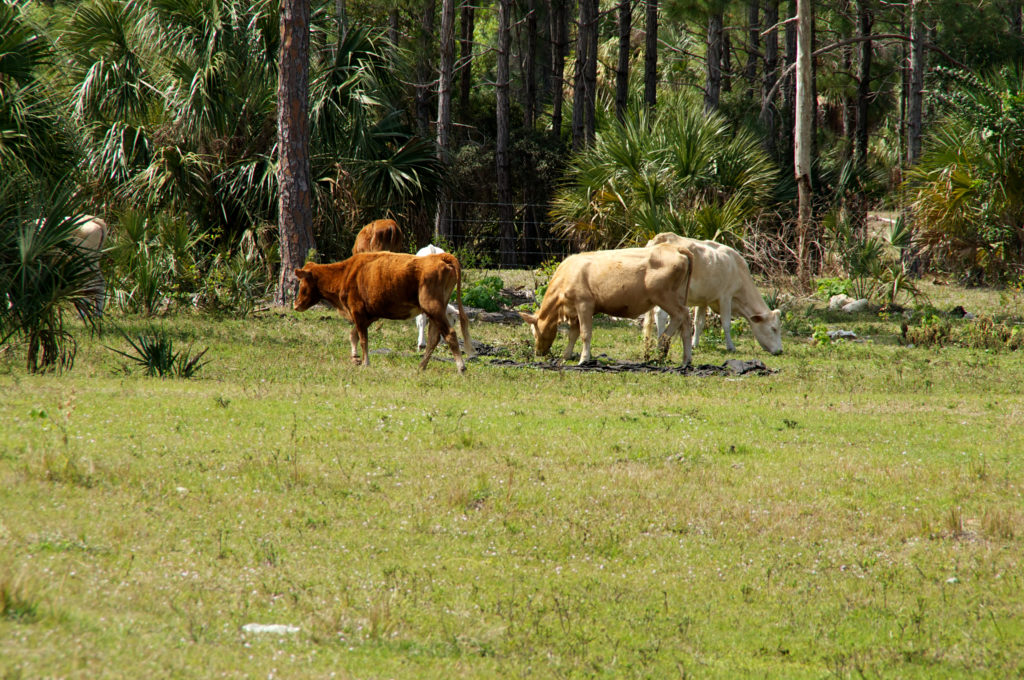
column 624, row 283
column 378, row 235
column 721, row 280
column 421, row 319
column 371, row 286
column 89, row 237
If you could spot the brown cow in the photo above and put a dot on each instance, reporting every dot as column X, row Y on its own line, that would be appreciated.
column 379, row 235
column 371, row 286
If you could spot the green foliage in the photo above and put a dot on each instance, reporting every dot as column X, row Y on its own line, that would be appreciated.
column 681, row 170
column 967, row 192
column 485, row 294
column 828, row 287
column 177, row 105
column 44, row 272
column 821, row 336
column 154, row 352
column 876, row 268
column 981, row 333
column 35, row 144
column 154, row 258
column 157, row 261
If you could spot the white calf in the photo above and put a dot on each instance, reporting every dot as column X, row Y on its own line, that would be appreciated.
column 421, row 320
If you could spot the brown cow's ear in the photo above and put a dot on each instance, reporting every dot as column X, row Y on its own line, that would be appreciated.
column 757, row 318
column 528, row 318
column 302, row 274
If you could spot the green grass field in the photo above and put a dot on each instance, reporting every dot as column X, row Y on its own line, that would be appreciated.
column 857, row 514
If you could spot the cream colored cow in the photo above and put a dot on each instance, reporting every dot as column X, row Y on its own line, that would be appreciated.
column 721, row 280
column 624, row 283
column 90, row 235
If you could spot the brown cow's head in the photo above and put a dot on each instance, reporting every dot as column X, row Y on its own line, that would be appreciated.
column 309, row 292
column 543, row 333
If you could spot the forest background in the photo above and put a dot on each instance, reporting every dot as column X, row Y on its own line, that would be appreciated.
column 514, row 132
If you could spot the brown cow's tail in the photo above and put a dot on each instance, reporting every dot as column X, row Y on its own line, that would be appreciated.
column 463, row 319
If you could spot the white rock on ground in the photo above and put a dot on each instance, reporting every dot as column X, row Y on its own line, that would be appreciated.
column 275, row 628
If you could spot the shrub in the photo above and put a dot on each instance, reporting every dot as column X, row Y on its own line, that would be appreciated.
column 154, row 351
column 981, row 333
column 834, row 286
column 43, row 272
column 485, row 294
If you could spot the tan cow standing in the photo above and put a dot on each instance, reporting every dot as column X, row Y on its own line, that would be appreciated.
column 383, row 285
column 377, row 236
column 90, row 235
column 624, row 283
column 721, row 280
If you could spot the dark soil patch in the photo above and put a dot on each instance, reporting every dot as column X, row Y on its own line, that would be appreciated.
column 602, row 365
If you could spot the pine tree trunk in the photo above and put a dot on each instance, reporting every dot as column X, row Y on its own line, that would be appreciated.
column 585, row 77
column 789, row 86
column 393, row 25
column 590, row 110
column 442, row 224
column 803, row 130
column 622, row 71
column 504, row 176
column 295, row 216
column 864, row 21
column 726, row 61
column 769, row 112
column 713, row 84
column 424, row 69
column 466, row 25
column 753, row 43
column 651, row 55
column 559, row 47
column 915, row 95
column 530, row 71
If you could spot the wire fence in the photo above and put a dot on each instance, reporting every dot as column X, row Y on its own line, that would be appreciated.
column 475, row 234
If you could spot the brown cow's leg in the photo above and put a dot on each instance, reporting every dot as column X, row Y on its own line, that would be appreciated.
column 433, row 335
column 365, row 344
column 354, row 338
column 453, row 342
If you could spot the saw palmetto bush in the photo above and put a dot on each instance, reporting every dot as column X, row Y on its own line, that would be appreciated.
column 967, row 191
column 676, row 170
column 45, row 274
column 177, row 100
column 35, row 143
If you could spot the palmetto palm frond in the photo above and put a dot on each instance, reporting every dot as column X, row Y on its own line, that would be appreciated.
column 684, row 171
column 967, row 191
column 44, row 272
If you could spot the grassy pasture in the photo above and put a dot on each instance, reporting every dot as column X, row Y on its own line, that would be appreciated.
column 858, row 514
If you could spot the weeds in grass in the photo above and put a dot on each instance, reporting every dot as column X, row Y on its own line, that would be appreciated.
column 955, row 521
column 154, row 352
column 1000, row 523
column 981, row 333
column 16, row 603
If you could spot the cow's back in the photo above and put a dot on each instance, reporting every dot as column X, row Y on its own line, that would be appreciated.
column 389, row 285
column 718, row 270
column 91, row 233
column 617, row 282
column 379, row 235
